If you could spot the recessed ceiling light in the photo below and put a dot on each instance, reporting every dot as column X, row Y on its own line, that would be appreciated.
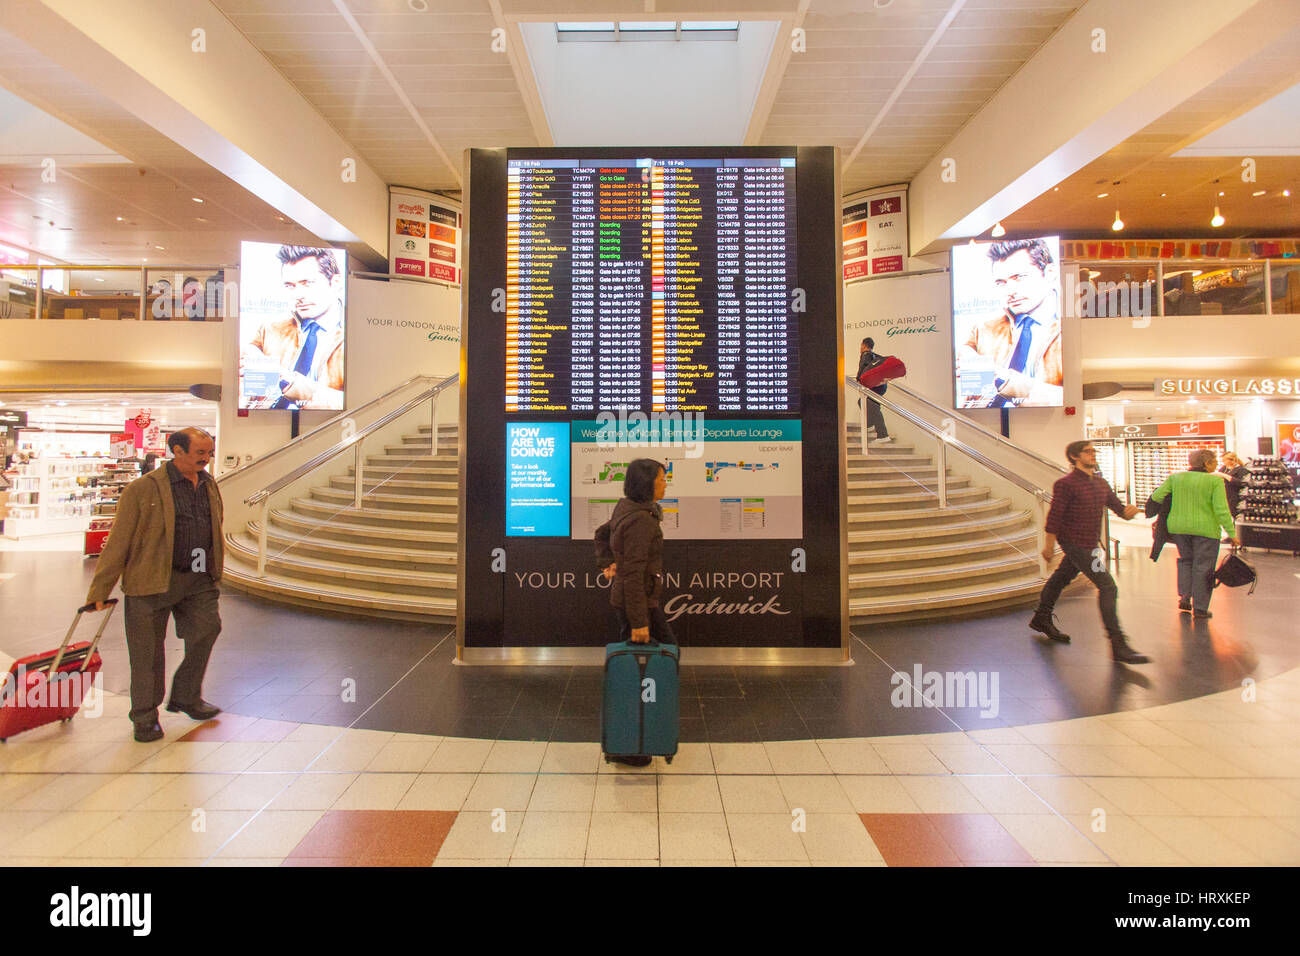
column 121, row 219
column 1102, row 195
column 99, row 278
column 1259, row 192
column 60, row 404
column 195, row 199
column 1126, row 401
column 1056, row 189
column 1193, row 401
column 419, row 6
column 1221, row 192
column 199, row 219
column 160, row 248
column 124, row 404
column 1162, row 195
column 1287, row 193
column 881, row 4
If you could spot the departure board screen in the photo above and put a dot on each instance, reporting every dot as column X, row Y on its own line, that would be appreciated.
column 660, row 284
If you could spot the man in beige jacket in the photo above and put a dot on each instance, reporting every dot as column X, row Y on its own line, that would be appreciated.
column 166, row 548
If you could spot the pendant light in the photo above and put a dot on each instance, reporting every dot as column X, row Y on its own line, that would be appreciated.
column 998, row 232
column 1218, row 219
column 1118, row 224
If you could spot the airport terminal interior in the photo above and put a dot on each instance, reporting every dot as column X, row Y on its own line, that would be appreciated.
column 432, row 275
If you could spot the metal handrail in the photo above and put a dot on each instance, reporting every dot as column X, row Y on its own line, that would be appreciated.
column 997, row 468
column 352, row 440
column 346, row 413
column 1001, row 439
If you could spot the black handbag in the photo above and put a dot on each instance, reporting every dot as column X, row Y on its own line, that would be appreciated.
column 1234, row 572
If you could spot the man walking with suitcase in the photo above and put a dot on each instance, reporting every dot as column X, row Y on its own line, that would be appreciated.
column 166, row 547
column 1074, row 519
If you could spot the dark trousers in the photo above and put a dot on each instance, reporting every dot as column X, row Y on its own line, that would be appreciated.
column 875, row 418
column 1197, row 556
column 660, row 629
column 1082, row 560
column 192, row 601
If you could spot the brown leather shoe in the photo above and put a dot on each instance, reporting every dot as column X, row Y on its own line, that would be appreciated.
column 200, row 711
column 148, row 733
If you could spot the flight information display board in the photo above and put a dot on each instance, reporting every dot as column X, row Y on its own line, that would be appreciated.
column 682, row 304
column 662, row 284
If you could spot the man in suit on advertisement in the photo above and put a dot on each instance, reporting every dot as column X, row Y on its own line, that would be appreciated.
column 1023, row 341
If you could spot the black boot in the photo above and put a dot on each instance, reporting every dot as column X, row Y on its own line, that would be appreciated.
column 1122, row 652
column 1042, row 622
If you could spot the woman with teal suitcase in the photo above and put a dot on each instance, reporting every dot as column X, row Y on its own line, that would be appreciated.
column 639, row 715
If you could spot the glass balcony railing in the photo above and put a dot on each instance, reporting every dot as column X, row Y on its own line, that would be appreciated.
column 1138, row 288
column 116, row 293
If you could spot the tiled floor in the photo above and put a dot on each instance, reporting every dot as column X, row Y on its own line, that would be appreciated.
column 1194, row 760
column 289, row 667
column 1092, row 790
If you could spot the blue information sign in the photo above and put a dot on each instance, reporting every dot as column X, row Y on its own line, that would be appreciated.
column 537, row 479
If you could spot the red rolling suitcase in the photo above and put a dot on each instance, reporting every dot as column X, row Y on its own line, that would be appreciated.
column 31, row 698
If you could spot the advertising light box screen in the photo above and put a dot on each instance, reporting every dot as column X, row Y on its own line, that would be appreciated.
column 292, row 317
column 1006, row 302
column 653, row 283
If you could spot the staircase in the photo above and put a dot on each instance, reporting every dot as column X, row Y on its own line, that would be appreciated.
column 911, row 560
column 394, row 558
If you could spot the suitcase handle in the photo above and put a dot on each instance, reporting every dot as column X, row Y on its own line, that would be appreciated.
column 110, row 604
column 90, row 607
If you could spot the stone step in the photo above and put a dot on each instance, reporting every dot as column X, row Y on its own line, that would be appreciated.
column 979, row 529
column 949, row 602
column 434, row 464
column 900, row 521
column 940, row 576
column 986, row 545
column 352, row 600
column 426, row 539
column 906, row 481
column 957, row 497
column 375, row 517
column 390, row 555
column 396, row 482
column 382, row 500
column 324, row 572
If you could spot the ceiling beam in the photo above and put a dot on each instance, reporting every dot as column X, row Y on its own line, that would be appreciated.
column 225, row 103
column 1072, row 102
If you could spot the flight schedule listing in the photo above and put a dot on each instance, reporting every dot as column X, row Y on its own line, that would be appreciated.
column 654, row 284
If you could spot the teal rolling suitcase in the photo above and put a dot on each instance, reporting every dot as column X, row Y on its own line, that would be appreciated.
column 640, row 711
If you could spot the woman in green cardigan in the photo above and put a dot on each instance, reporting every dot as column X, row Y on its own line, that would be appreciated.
column 1199, row 510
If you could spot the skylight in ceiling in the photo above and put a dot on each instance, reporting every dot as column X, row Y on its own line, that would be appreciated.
column 606, row 31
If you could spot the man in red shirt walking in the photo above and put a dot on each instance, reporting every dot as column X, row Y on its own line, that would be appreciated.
column 1075, row 521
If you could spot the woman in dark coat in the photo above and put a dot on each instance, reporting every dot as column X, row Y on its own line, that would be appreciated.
column 630, row 549
column 1235, row 477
